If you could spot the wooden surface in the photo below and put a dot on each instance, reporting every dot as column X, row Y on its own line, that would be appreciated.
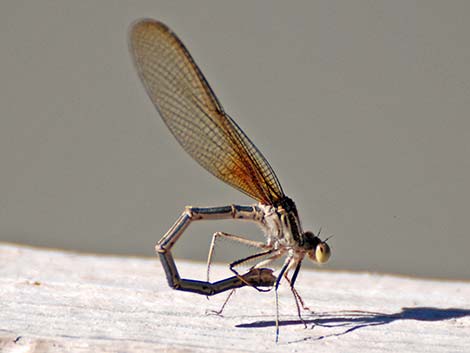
column 65, row 302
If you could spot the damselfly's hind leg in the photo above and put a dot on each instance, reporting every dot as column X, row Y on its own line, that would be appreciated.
column 219, row 312
column 256, row 277
column 241, row 240
column 236, row 238
column 268, row 255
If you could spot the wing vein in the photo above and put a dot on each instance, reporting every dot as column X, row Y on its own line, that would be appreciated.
column 193, row 114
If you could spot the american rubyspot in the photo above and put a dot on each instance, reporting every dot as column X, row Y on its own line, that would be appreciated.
column 196, row 118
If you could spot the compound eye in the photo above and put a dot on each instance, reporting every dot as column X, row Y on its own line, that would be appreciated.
column 322, row 253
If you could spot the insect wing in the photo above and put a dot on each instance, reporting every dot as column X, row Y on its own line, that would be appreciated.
column 194, row 115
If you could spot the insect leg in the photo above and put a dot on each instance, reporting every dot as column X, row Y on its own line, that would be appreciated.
column 275, row 253
column 284, row 268
column 256, row 277
column 296, row 293
column 298, row 299
column 236, row 238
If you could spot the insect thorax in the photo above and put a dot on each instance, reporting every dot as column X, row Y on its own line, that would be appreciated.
column 281, row 223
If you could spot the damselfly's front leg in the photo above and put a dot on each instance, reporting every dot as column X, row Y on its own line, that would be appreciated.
column 298, row 299
column 164, row 246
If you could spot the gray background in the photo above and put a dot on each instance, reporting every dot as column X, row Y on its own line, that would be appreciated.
column 362, row 108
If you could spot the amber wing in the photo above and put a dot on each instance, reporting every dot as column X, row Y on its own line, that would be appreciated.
column 193, row 114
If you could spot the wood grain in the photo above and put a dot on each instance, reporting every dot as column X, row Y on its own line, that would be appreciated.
column 59, row 301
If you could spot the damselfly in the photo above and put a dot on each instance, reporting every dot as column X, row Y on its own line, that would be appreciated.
column 196, row 118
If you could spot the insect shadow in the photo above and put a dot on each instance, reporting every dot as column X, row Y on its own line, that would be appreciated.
column 356, row 319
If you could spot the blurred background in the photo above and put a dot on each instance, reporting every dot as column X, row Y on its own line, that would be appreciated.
column 362, row 109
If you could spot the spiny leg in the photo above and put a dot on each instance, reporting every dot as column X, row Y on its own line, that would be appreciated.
column 247, row 242
column 254, row 282
column 284, row 269
column 232, row 237
column 235, row 238
column 256, row 277
column 271, row 252
column 164, row 246
column 297, row 298
column 292, row 283
column 219, row 312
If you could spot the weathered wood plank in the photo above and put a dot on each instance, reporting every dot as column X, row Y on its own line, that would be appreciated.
column 66, row 302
